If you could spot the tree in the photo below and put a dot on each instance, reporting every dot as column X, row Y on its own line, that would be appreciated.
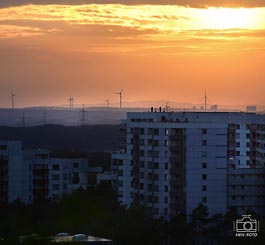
column 199, row 220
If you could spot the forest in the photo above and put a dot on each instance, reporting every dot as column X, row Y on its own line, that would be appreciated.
column 96, row 212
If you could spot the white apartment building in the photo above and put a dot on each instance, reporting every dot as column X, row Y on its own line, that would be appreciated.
column 174, row 161
column 31, row 175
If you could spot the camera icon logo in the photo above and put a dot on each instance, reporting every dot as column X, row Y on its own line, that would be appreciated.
column 246, row 224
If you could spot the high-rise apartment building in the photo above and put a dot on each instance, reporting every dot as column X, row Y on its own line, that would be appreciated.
column 32, row 175
column 175, row 160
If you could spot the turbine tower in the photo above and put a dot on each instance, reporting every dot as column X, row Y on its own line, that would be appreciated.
column 107, row 102
column 120, row 93
column 205, row 100
column 71, row 102
column 13, row 100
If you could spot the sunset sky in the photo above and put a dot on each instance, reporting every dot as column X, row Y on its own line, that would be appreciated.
column 155, row 50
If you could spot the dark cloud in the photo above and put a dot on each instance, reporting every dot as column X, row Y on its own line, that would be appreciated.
column 193, row 3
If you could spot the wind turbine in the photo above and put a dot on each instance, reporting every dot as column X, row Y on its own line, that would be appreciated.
column 107, row 102
column 205, row 100
column 71, row 101
column 120, row 93
column 12, row 100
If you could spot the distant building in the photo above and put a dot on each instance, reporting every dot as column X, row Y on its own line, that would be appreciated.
column 174, row 161
column 31, row 175
column 251, row 108
column 214, row 108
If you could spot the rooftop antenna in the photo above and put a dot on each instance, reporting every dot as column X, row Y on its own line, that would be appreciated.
column 120, row 93
column 107, row 102
column 71, row 102
column 83, row 115
column 167, row 107
column 12, row 100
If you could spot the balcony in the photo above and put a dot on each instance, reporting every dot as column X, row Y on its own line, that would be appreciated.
column 177, row 158
column 41, row 192
column 179, row 136
column 174, row 170
column 40, row 171
column 41, row 182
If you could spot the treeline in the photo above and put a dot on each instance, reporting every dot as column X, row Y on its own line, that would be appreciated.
column 93, row 138
column 96, row 212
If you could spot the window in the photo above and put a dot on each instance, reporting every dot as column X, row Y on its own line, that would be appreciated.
column 141, row 142
column 166, row 131
column 141, row 153
column 204, row 199
column 155, row 154
column 149, row 153
column 204, row 165
column 156, row 165
column 204, row 188
column 204, row 154
column 150, row 187
column 156, row 131
column 120, row 183
column 204, row 142
column 155, row 199
column 166, row 176
column 120, row 173
column 204, row 131
column 55, row 177
column 76, row 165
column 150, row 165
column 166, row 188
column 237, row 144
column 150, row 176
column 166, row 165
column 141, row 174
column 155, row 188
column 55, row 167
column 141, row 130
column 165, row 211
column 55, row 187
column 166, row 200
column 166, row 143
column 204, row 176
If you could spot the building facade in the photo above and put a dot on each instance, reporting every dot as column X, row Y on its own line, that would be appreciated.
column 174, row 161
column 32, row 175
